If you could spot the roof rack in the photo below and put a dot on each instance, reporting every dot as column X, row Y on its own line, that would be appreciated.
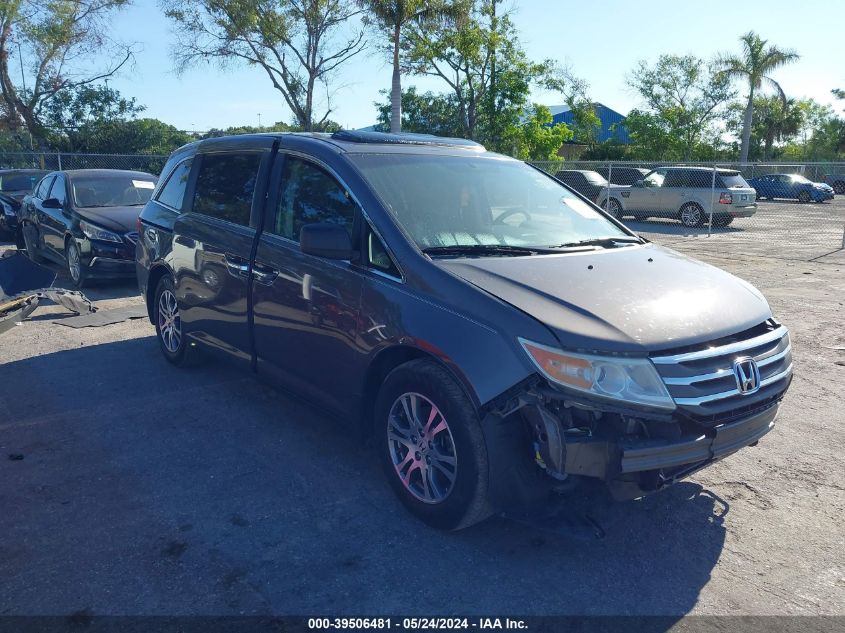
column 351, row 136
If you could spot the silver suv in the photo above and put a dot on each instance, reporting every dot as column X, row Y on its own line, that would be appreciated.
column 684, row 193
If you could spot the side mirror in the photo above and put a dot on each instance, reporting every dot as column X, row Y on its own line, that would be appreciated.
column 640, row 183
column 51, row 203
column 325, row 240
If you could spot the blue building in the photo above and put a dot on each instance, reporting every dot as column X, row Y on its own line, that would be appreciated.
column 608, row 118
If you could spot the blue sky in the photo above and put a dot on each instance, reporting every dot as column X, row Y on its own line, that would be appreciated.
column 601, row 40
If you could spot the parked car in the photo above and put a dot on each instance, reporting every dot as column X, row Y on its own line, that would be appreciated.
column 588, row 183
column 621, row 174
column 85, row 220
column 837, row 181
column 14, row 185
column 791, row 187
column 686, row 194
column 494, row 335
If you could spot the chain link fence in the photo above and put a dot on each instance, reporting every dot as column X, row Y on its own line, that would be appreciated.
column 782, row 210
column 51, row 161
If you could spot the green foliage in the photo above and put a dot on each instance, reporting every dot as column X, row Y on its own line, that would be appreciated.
column 684, row 98
column 774, row 121
column 536, row 138
column 423, row 113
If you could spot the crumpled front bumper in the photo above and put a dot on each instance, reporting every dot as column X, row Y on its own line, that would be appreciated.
column 634, row 468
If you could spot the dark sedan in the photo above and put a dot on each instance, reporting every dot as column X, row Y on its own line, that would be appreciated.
column 86, row 220
column 588, row 183
column 14, row 185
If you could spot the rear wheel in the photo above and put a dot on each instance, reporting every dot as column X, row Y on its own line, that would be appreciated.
column 30, row 240
column 168, row 321
column 431, row 446
column 804, row 197
column 692, row 215
column 722, row 220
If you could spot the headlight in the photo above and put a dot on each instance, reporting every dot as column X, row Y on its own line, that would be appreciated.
column 7, row 209
column 630, row 380
column 96, row 233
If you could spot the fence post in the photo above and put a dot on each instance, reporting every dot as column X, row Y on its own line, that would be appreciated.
column 609, row 176
column 59, row 157
column 712, row 196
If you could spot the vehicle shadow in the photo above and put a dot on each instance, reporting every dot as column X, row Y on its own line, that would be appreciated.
column 234, row 497
column 94, row 289
column 667, row 227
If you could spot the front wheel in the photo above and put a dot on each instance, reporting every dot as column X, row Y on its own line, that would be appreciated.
column 692, row 215
column 613, row 207
column 431, row 446
column 167, row 317
column 75, row 268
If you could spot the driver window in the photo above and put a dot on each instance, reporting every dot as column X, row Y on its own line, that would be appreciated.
column 58, row 190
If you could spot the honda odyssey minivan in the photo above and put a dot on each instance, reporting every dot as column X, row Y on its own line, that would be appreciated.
column 494, row 334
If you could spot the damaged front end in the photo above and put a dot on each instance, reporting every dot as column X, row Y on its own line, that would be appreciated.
column 564, row 436
column 24, row 284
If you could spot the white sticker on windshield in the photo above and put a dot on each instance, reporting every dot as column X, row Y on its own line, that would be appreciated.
column 143, row 184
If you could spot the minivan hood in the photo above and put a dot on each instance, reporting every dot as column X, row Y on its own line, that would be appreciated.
column 633, row 299
column 119, row 219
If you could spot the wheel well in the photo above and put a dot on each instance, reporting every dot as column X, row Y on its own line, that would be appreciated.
column 152, row 283
column 384, row 363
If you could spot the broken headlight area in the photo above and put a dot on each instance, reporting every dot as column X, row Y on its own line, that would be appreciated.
column 549, row 440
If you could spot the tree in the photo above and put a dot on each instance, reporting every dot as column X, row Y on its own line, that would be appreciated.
column 299, row 44
column 684, row 97
column 752, row 67
column 64, row 45
column 393, row 16
column 585, row 121
column 463, row 54
column 79, row 110
column 537, row 138
column 426, row 113
column 773, row 121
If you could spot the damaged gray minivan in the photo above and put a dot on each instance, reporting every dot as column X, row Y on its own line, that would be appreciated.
column 494, row 333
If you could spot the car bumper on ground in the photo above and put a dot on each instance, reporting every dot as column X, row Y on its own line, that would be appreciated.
column 638, row 467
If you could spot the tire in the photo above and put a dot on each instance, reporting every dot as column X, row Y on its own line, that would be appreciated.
column 804, row 197
column 613, row 208
column 444, row 483
column 175, row 346
column 30, row 239
column 722, row 221
column 691, row 215
column 73, row 262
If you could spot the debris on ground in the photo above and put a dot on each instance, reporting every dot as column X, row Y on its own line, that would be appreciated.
column 105, row 317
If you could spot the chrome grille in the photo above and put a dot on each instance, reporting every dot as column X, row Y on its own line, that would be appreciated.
column 703, row 384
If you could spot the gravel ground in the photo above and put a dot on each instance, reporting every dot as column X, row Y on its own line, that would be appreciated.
column 145, row 489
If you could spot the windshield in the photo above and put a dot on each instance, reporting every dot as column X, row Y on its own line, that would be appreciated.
column 113, row 190
column 20, row 182
column 734, row 181
column 458, row 201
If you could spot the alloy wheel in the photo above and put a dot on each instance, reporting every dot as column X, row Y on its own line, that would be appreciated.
column 614, row 209
column 422, row 448
column 169, row 321
column 74, row 265
column 691, row 216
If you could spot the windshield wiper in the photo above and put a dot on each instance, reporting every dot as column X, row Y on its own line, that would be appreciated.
column 606, row 242
column 481, row 250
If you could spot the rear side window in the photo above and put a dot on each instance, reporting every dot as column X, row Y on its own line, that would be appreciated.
column 676, row 178
column 19, row 182
column 173, row 192
column 701, row 179
column 310, row 195
column 225, row 186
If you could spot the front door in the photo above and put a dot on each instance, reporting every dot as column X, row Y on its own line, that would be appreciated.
column 647, row 197
column 305, row 308
column 54, row 222
column 212, row 245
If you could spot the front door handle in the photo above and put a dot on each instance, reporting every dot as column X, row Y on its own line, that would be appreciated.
column 264, row 274
column 237, row 266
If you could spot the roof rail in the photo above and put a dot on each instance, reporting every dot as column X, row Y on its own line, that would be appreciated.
column 351, row 136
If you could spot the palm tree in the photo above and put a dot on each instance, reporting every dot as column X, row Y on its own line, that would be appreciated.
column 753, row 67
column 393, row 15
column 778, row 121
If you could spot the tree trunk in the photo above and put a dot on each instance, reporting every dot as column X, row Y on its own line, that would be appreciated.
column 396, row 86
column 746, row 128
